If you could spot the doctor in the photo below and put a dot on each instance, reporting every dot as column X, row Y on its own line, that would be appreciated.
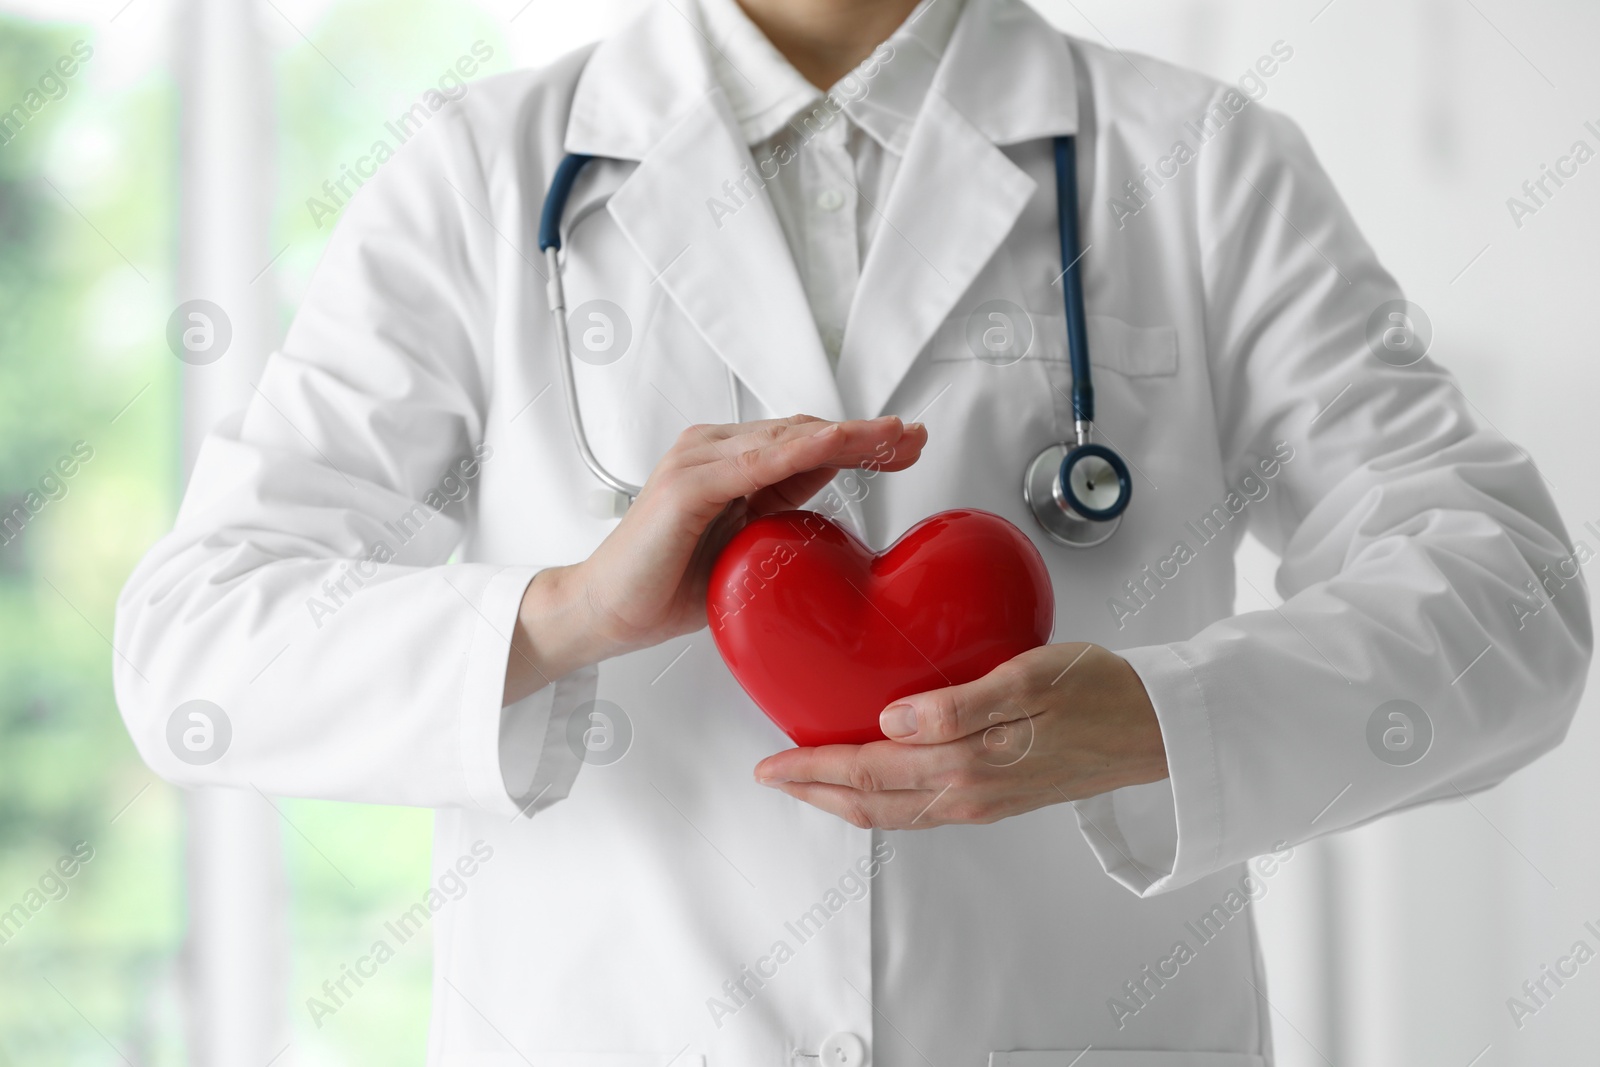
column 651, row 875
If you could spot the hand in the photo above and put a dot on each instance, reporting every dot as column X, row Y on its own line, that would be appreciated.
column 1057, row 723
column 647, row 580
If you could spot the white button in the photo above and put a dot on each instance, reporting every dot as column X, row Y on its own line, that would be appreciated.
column 830, row 200
column 844, row 1050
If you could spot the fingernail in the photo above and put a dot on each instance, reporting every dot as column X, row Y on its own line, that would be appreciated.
column 912, row 427
column 898, row 720
column 772, row 781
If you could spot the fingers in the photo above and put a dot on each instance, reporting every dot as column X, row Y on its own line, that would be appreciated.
column 795, row 491
column 872, row 768
column 944, row 715
column 791, row 493
column 711, row 466
column 778, row 463
column 853, row 443
column 712, row 443
column 900, row 810
column 716, row 537
column 724, row 431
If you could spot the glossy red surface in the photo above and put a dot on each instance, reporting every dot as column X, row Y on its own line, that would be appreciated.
column 824, row 635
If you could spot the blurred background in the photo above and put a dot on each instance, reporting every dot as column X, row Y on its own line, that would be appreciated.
column 178, row 161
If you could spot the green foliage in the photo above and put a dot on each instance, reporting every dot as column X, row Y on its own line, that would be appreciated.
column 88, row 201
column 71, row 359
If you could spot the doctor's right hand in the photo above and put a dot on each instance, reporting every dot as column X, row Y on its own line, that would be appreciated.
column 646, row 582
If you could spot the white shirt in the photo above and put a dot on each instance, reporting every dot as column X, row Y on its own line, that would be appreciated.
column 828, row 160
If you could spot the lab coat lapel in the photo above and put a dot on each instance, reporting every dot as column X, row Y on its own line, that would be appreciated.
column 954, row 201
column 721, row 255
column 1007, row 77
column 648, row 93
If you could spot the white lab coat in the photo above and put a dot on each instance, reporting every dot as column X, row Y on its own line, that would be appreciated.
column 1227, row 323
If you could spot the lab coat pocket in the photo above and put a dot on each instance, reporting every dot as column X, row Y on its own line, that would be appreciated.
column 1114, row 345
column 1024, row 361
column 1124, row 1058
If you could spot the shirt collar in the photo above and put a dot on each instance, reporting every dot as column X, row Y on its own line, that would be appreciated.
column 1005, row 70
column 882, row 95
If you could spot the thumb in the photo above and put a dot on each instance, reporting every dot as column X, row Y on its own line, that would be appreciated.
column 943, row 715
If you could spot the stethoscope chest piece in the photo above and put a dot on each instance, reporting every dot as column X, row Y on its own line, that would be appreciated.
column 1077, row 493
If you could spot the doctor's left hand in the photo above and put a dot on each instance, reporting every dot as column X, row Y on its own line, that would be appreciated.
column 1057, row 723
column 646, row 582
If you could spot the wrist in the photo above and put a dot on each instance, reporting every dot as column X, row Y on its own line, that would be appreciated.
column 559, row 620
column 1147, row 758
column 555, row 633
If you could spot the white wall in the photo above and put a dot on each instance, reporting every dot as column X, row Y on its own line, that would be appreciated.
column 1400, row 943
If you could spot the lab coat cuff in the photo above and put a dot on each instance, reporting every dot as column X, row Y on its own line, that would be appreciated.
column 539, row 757
column 483, row 690
column 1156, row 837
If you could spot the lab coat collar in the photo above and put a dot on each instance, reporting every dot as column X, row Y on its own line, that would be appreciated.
column 639, row 82
column 1009, row 73
column 649, row 94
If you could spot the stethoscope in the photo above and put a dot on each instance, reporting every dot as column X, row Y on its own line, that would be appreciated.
column 1076, row 491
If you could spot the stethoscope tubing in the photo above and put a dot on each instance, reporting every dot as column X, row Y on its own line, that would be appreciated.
column 1072, row 286
column 555, row 203
column 1073, row 512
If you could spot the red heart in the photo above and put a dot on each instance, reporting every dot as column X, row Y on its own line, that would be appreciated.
column 824, row 635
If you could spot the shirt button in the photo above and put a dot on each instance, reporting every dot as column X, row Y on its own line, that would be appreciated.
column 830, row 200
column 844, row 1050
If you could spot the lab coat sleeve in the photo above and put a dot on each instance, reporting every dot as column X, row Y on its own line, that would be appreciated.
column 1422, row 558
column 304, row 591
